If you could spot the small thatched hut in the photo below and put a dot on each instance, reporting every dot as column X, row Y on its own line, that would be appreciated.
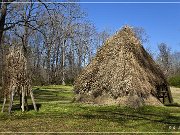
column 16, row 78
column 122, row 73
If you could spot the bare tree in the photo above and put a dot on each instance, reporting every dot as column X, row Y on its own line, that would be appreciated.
column 164, row 58
column 102, row 37
column 61, row 38
column 141, row 34
column 175, row 57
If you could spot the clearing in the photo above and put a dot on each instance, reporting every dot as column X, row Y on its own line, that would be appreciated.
column 57, row 113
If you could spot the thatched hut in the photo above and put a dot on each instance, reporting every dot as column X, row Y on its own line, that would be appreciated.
column 16, row 78
column 123, row 73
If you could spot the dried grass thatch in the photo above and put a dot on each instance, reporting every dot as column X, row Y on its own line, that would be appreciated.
column 122, row 73
column 15, row 70
column 16, row 77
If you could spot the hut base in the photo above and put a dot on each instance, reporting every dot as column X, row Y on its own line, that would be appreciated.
column 132, row 101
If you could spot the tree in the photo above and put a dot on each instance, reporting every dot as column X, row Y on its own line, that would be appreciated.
column 19, row 22
column 60, row 37
column 164, row 58
column 175, row 57
column 3, row 14
column 141, row 34
column 102, row 36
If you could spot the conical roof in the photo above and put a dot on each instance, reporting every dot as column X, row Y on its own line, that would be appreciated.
column 122, row 72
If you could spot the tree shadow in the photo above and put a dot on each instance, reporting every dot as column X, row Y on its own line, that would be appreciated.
column 46, row 95
column 17, row 107
column 140, row 118
column 173, row 105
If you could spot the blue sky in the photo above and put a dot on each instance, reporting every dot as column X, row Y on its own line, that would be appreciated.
column 161, row 21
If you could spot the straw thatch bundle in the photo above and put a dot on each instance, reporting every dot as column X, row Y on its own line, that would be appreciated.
column 15, row 70
column 122, row 73
column 16, row 77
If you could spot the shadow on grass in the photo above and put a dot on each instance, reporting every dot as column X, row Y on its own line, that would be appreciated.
column 52, row 88
column 46, row 95
column 173, row 105
column 17, row 107
column 126, row 116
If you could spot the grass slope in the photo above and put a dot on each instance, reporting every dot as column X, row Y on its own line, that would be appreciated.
column 58, row 114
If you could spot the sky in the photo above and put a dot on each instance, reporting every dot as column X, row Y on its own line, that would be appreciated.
column 160, row 21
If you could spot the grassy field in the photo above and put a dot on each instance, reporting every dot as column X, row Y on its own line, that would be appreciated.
column 176, row 94
column 57, row 113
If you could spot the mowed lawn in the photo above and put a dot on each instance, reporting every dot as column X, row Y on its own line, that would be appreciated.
column 57, row 113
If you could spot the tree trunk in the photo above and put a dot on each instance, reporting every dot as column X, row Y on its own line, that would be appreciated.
column 63, row 63
column 48, row 64
column 23, row 96
column 2, row 23
column 57, row 63
column 2, row 20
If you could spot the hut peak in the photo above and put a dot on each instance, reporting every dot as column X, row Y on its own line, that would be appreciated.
column 125, row 36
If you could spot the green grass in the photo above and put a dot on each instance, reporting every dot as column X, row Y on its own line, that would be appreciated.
column 58, row 114
column 174, row 81
column 53, row 93
column 176, row 94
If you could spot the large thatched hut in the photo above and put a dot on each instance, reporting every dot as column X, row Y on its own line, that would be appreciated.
column 123, row 73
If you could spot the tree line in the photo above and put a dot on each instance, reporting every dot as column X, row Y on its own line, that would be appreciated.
column 169, row 61
column 60, row 40
column 58, row 37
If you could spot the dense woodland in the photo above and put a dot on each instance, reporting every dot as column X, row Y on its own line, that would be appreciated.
column 60, row 39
